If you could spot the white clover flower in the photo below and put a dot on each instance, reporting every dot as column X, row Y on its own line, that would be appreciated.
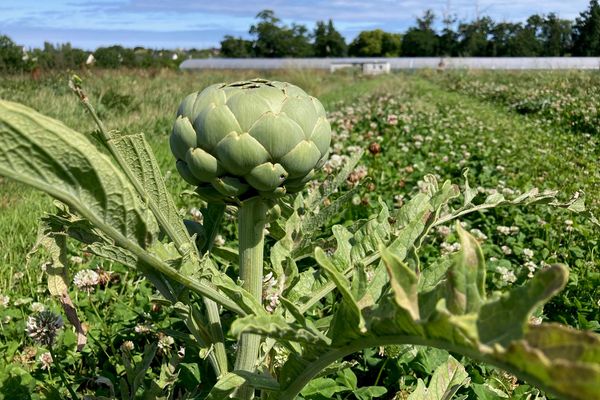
column 478, row 234
column 196, row 215
column 272, row 290
column 506, row 250
column 165, row 342
column 398, row 200
column 528, row 253
column 505, row 230
column 531, row 266
column 514, row 230
column 37, row 307
column 18, row 276
column 86, row 280
column 219, row 241
column 335, row 162
column 353, row 149
column 449, row 248
column 141, row 329
column 4, row 300
column 76, row 260
column 569, row 225
column 506, row 275
column 444, row 230
column 127, row 346
column 46, row 360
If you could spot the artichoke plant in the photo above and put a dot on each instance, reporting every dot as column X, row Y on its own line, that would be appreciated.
column 250, row 138
column 249, row 143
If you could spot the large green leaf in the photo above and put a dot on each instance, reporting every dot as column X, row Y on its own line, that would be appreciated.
column 48, row 155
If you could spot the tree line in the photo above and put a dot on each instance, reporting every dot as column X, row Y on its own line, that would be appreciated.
column 15, row 58
column 539, row 35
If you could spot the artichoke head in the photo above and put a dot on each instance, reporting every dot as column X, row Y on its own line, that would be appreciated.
column 251, row 138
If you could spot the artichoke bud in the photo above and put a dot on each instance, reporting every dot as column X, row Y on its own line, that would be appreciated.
column 250, row 138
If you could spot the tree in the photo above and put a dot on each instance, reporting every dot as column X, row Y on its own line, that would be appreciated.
column 391, row 44
column 11, row 55
column 529, row 38
column 367, row 44
column 503, row 39
column 448, row 40
column 328, row 42
column 474, row 37
column 421, row 41
column 276, row 40
column 586, row 32
column 556, row 36
column 114, row 57
column 236, row 47
column 376, row 43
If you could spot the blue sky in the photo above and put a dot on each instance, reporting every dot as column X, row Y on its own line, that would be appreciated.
column 200, row 23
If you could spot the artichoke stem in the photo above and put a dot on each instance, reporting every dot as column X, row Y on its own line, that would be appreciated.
column 251, row 226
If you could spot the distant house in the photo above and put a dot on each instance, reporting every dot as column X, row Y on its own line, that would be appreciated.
column 376, row 68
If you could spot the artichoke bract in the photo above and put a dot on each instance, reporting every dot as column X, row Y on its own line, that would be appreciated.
column 251, row 138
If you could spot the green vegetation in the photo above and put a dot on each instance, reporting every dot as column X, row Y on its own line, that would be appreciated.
column 409, row 125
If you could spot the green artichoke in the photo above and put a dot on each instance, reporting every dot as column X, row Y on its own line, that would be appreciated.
column 250, row 138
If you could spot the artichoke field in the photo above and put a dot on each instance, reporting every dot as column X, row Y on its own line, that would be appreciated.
column 250, row 138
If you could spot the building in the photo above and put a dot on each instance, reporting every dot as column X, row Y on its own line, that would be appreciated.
column 376, row 68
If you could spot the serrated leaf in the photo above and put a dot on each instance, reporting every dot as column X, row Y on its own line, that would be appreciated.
column 49, row 156
column 466, row 276
column 348, row 321
column 445, row 382
column 403, row 281
column 504, row 320
column 469, row 193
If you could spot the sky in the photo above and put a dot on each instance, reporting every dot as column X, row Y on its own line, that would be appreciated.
column 199, row 24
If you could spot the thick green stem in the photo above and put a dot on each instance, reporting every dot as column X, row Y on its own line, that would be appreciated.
column 251, row 226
